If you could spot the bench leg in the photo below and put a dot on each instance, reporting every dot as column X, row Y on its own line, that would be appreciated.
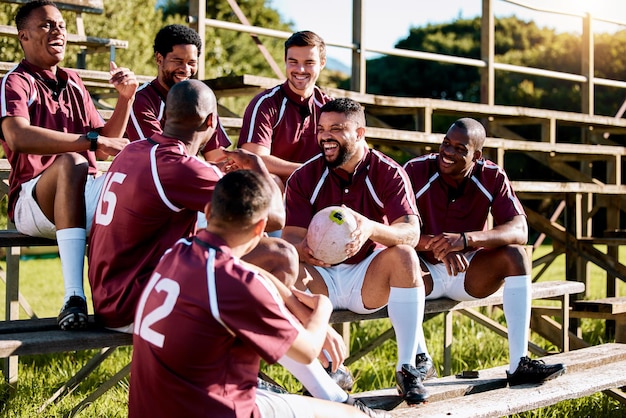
column 85, row 371
column 100, row 391
column 620, row 328
column 343, row 328
column 12, row 307
column 447, row 343
column 565, row 302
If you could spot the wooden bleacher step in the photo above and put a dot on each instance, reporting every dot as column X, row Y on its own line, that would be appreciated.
column 43, row 336
column 589, row 370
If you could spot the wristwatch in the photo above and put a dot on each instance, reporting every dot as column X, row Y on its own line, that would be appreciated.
column 92, row 136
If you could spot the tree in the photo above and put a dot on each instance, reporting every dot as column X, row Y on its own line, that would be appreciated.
column 516, row 42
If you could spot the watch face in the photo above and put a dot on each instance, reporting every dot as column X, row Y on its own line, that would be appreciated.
column 92, row 135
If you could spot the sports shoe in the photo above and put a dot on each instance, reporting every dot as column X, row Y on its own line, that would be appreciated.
column 424, row 365
column 264, row 384
column 342, row 377
column 410, row 386
column 73, row 315
column 534, row 371
column 372, row 413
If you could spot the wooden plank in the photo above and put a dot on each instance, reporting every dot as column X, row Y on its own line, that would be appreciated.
column 508, row 401
column 452, row 392
column 88, row 41
column 56, row 341
column 12, row 238
column 374, row 134
column 5, row 166
column 566, row 187
column 540, row 290
column 478, row 109
column 91, row 78
column 612, row 305
column 242, row 85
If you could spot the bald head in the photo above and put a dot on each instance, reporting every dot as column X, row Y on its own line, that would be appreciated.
column 189, row 105
column 475, row 131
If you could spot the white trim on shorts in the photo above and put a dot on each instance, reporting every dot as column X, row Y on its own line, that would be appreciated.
column 126, row 329
column 30, row 220
column 444, row 285
column 344, row 283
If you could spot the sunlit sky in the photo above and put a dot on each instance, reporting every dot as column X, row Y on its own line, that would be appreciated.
column 388, row 21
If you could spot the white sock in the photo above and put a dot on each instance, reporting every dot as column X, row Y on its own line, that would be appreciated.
column 517, row 301
column 406, row 312
column 72, row 243
column 315, row 379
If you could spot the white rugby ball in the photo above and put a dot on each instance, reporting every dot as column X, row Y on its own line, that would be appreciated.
column 329, row 231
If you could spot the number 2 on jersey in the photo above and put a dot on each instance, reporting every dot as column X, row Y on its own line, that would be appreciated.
column 143, row 323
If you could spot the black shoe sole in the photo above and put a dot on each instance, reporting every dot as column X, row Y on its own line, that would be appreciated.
column 414, row 400
column 73, row 321
column 545, row 379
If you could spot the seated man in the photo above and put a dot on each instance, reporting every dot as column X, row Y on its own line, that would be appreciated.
column 206, row 318
column 280, row 123
column 383, row 268
column 462, row 259
column 151, row 196
column 52, row 134
column 176, row 52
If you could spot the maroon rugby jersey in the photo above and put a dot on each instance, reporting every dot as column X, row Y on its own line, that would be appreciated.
column 202, row 325
column 151, row 197
column 379, row 189
column 147, row 117
column 281, row 121
column 443, row 209
column 60, row 102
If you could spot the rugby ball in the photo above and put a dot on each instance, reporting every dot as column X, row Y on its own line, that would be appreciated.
column 329, row 231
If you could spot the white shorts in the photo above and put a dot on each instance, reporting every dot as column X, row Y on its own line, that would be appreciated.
column 344, row 283
column 444, row 285
column 30, row 220
column 276, row 405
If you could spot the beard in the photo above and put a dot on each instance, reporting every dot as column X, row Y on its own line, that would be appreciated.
column 342, row 156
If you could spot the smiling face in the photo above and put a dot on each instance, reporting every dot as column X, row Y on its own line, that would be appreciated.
column 43, row 37
column 339, row 139
column 178, row 65
column 303, row 66
column 457, row 154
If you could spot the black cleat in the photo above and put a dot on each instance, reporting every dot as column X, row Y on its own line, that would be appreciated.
column 263, row 383
column 73, row 315
column 342, row 377
column 534, row 371
column 410, row 386
column 425, row 367
column 372, row 413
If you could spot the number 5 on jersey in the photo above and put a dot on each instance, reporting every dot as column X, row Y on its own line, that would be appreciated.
column 108, row 199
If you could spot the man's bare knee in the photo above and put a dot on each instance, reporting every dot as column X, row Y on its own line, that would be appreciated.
column 278, row 257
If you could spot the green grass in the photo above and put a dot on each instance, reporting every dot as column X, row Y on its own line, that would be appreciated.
column 475, row 347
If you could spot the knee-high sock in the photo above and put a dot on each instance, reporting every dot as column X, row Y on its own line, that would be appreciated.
column 406, row 312
column 315, row 379
column 71, row 243
column 517, row 301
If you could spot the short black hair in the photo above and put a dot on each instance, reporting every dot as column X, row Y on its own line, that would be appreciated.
column 239, row 198
column 306, row 38
column 172, row 35
column 351, row 108
column 24, row 11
